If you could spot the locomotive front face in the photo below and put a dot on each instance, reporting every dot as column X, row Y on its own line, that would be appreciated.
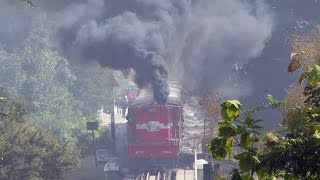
column 152, row 123
column 154, row 131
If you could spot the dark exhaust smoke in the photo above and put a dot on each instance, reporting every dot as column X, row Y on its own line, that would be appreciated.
column 196, row 42
column 148, row 65
column 184, row 40
column 113, row 44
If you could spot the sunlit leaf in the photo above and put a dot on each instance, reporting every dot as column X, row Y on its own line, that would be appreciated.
column 230, row 109
column 228, row 147
column 317, row 134
column 245, row 139
column 256, row 159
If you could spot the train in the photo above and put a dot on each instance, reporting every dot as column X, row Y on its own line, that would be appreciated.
column 154, row 130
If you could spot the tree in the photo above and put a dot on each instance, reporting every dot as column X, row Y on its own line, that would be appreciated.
column 44, row 79
column 31, row 153
column 91, row 87
column 28, row 152
column 11, row 109
column 294, row 151
column 211, row 103
column 61, row 96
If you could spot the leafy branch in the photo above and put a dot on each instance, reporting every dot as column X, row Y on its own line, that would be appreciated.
column 243, row 133
column 29, row 2
column 274, row 155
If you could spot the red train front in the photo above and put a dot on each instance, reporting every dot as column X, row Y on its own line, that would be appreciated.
column 154, row 130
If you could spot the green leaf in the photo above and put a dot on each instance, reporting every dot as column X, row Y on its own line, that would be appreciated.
column 245, row 163
column 317, row 127
column 220, row 154
column 241, row 156
column 272, row 100
column 227, row 131
column 217, row 148
column 235, row 175
column 257, row 127
column 235, row 128
column 224, row 113
column 258, row 120
column 246, row 176
column 246, row 139
column 313, row 75
column 256, row 159
column 249, row 121
column 228, row 147
column 262, row 173
column 232, row 112
column 235, row 103
column 290, row 176
column 215, row 142
column 230, row 109
column 220, row 124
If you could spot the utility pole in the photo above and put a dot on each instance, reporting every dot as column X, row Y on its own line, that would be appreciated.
column 113, row 83
column 204, row 128
column 113, row 129
column 195, row 164
column 94, row 148
column 92, row 126
column 197, row 142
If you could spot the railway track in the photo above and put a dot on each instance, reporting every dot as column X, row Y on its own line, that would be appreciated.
column 152, row 175
column 180, row 174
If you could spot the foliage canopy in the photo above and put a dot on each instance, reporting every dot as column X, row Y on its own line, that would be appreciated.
column 294, row 151
column 61, row 96
column 28, row 152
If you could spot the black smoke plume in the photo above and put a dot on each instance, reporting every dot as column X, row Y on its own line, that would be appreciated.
column 196, row 42
column 149, row 67
column 204, row 43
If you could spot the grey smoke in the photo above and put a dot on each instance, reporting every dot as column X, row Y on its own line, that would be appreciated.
column 196, row 42
column 187, row 36
column 77, row 14
column 220, row 34
column 122, row 42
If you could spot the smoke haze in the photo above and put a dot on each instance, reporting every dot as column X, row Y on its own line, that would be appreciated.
column 196, row 42
column 203, row 43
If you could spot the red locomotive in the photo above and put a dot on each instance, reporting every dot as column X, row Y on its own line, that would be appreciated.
column 154, row 130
